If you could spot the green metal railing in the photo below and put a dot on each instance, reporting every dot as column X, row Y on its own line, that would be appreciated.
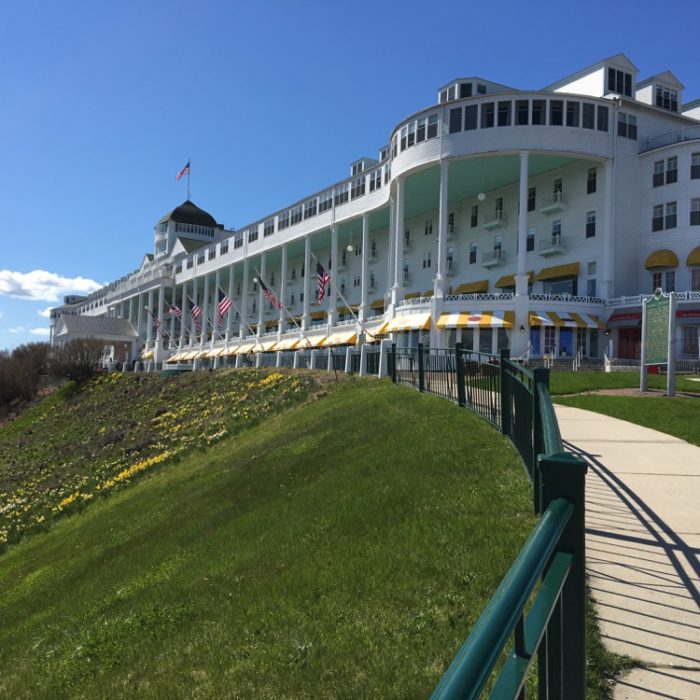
column 517, row 401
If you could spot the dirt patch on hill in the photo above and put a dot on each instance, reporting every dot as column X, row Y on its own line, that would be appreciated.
column 650, row 394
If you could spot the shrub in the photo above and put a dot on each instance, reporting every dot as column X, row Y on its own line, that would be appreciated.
column 77, row 359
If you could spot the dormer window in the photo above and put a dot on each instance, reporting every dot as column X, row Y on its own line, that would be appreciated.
column 465, row 90
column 666, row 98
column 620, row 82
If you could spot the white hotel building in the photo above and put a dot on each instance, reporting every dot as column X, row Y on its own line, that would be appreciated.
column 496, row 217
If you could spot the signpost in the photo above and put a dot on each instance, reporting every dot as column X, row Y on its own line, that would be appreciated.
column 659, row 338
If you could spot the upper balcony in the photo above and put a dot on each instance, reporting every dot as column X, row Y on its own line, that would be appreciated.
column 493, row 258
column 496, row 220
column 554, row 204
column 552, row 245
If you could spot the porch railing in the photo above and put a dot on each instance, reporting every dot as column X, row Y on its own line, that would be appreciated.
column 517, row 401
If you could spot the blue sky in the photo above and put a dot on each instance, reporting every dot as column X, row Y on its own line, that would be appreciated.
column 103, row 102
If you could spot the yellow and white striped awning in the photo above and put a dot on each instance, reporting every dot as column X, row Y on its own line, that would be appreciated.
column 227, row 352
column 287, row 343
column 371, row 334
column 265, row 345
column 312, row 342
column 410, row 322
column 483, row 319
column 147, row 355
column 245, row 347
column 344, row 338
column 189, row 355
column 215, row 352
column 563, row 319
column 174, row 358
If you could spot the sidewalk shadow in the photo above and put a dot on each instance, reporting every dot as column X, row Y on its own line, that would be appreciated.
column 647, row 576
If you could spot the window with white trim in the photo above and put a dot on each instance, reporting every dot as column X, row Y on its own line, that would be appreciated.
column 695, row 166
column 592, row 180
column 671, row 170
column 627, row 125
column 310, row 208
column 695, row 212
column 269, row 227
column 472, row 252
column 590, row 224
column 689, row 340
column 620, row 82
column 666, row 98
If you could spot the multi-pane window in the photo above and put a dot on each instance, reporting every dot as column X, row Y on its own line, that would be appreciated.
column 695, row 279
column 358, row 187
column 590, row 224
column 432, row 126
column 504, row 113
column 427, row 260
column 666, row 98
column 556, row 231
column 283, row 220
column 656, row 281
column 689, row 335
column 310, row 208
column 695, row 212
column 530, row 241
column 471, row 113
column 428, row 227
column 522, row 112
column 472, row 252
column 212, row 253
column 557, row 190
column 627, row 125
column 671, row 170
column 620, row 82
column 375, row 180
column 670, row 281
column 200, row 258
column 487, row 115
column 539, row 112
column 325, row 201
column 455, row 120
column 356, row 280
column 497, row 245
column 341, row 194
column 465, row 90
column 238, row 239
column 695, row 166
column 474, row 221
column 572, row 113
column 420, row 131
column 499, row 207
column 592, row 180
column 295, row 214
column 223, row 247
column 603, row 119
column 252, row 234
column 269, row 227
column 556, row 113
column 658, row 178
column 531, row 198
column 588, row 118
column 657, row 218
column 671, row 218
column 411, row 137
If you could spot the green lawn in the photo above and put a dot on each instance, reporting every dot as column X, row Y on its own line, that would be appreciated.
column 342, row 549
column 578, row 382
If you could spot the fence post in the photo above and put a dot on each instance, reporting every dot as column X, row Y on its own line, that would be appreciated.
column 540, row 376
column 393, row 362
column 505, row 393
column 459, row 369
column 421, row 375
column 563, row 475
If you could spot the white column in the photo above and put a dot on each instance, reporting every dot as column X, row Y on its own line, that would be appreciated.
column 195, row 296
column 521, row 268
column 396, row 290
column 365, row 266
column 159, row 332
column 149, row 319
column 391, row 254
column 443, row 215
column 519, row 341
column 231, row 312
column 131, row 310
column 242, row 329
column 261, row 298
column 306, row 320
column 283, row 292
column 206, row 321
column 215, row 304
column 332, row 294
column 139, row 317
column 173, row 302
column 183, row 318
column 606, row 287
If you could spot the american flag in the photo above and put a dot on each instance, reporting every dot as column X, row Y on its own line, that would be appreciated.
column 156, row 320
column 175, row 310
column 184, row 171
column 222, row 308
column 270, row 295
column 323, row 279
column 196, row 312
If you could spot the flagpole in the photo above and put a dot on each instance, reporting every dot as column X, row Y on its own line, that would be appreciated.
column 345, row 301
column 284, row 306
column 247, row 325
column 189, row 170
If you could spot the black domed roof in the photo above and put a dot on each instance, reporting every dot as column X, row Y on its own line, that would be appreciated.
column 190, row 213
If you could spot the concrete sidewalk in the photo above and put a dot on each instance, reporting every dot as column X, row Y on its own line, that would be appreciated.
column 643, row 548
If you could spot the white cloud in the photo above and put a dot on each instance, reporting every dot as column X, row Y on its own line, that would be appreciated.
column 17, row 329
column 40, row 285
column 45, row 313
column 40, row 331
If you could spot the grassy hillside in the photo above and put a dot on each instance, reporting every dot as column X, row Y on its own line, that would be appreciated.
column 342, row 549
column 80, row 444
column 578, row 382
